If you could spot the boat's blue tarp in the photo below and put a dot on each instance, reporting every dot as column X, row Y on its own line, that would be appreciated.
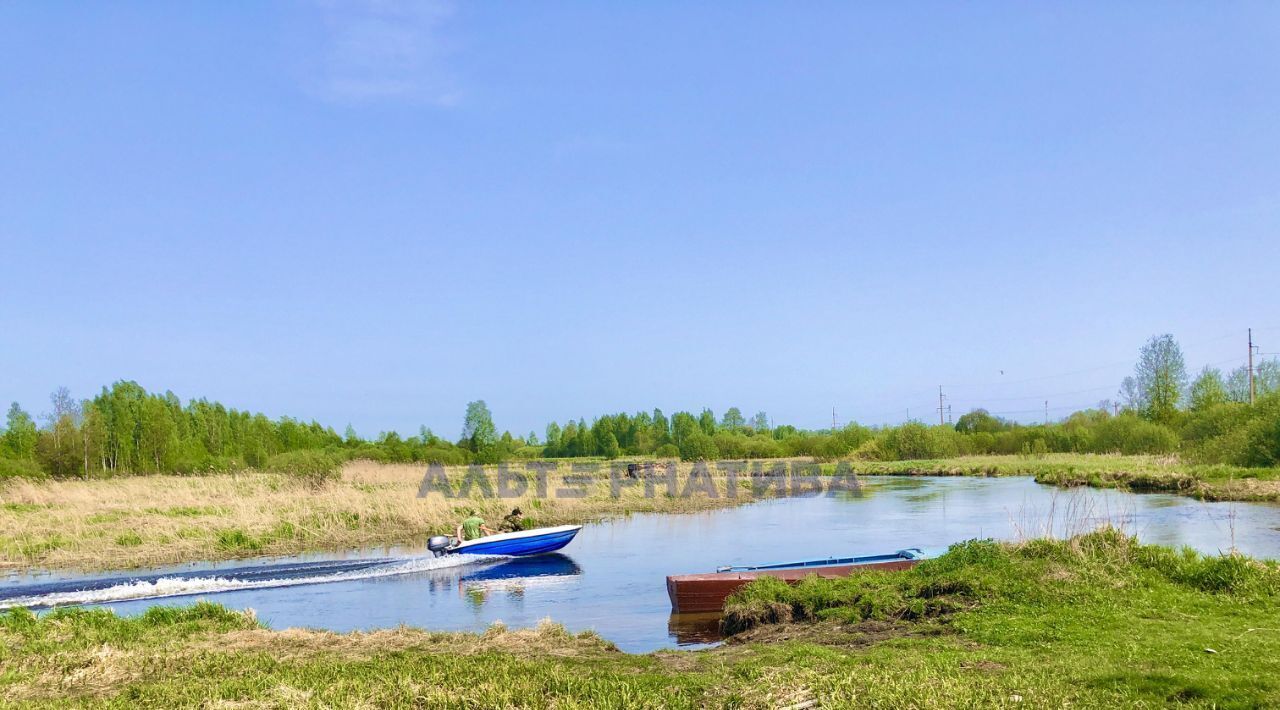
column 913, row 553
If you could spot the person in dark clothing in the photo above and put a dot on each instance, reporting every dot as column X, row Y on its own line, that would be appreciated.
column 513, row 522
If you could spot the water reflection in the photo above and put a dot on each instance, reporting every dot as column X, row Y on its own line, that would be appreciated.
column 514, row 576
column 691, row 629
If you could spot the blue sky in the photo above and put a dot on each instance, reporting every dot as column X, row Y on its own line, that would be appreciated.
column 375, row 212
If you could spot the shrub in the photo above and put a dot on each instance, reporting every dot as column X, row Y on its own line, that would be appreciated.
column 21, row 468
column 871, row 450
column 1127, row 434
column 762, row 447
column 315, row 467
column 983, row 442
column 699, row 447
column 668, row 451
column 1262, row 434
column 914, row 440
column 730, row 445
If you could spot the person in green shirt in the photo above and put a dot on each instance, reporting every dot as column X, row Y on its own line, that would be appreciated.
column 473, row 527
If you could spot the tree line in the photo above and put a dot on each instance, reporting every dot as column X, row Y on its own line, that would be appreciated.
column 127, row 430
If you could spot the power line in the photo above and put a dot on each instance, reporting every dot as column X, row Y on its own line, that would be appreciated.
column 946, row 402
column 1044, row 377
column 1092, row 368
column 1039, row 396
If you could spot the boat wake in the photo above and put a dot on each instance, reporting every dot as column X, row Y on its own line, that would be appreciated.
column 180, row 584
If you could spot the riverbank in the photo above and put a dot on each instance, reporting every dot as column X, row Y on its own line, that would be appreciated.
column 1144, row 474
column 1095, row 621
column 146, row 521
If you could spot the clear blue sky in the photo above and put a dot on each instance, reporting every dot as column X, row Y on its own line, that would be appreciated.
column 375, row 212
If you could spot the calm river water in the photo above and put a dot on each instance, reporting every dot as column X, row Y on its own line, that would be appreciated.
column 611, row 578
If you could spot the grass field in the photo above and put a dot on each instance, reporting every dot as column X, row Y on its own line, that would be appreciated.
column 150, row 520
column 1094, row 621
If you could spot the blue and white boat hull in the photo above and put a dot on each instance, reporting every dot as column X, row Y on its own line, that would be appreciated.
column 519, row 544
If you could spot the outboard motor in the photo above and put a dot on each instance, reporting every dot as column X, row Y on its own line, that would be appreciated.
column 438, row 544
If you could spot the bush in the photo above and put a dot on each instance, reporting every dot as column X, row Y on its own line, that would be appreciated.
column 667, row 451
column 1261, row 443
column 699, row 447
column 1150, row 438
column 193, row 459
column 1127, row 434
column 762, row 447
column 730, row 445
column 21, row 468
column 914, row 440
column 871, row 450
column 315, row 467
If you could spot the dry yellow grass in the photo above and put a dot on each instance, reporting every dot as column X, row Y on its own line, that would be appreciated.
column 151, row 520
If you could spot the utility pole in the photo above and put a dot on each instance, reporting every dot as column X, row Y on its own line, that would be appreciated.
column 944, row 409
column 1115, row 409
column 833, row 420
column 1251, row 387
column 1046, row 412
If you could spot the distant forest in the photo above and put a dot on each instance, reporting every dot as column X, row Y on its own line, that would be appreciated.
column 1160, row 410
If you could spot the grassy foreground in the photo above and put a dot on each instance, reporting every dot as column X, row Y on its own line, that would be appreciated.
column 1094, row 621
column 1164, row 474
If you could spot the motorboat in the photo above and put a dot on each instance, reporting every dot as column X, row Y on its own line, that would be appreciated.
column 513, row 544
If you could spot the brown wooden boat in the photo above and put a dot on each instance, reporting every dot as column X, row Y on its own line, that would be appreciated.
column 706, row 592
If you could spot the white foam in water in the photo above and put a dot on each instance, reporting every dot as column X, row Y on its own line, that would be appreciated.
column 186, row 586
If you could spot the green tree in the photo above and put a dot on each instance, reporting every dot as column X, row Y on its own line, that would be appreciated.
column 683, row 425
column 477, row 428
column 586, row 440
column 1266, row 376
column 1209, row 389
column 1161, row 378
column 20, row 433
column 93, row 437
column 707, row 422
column 661, row 428
column 609, row 446
column 155, row 435
column 980, row 420
column 733, row 420
column 760, row 423
column 1129, row 395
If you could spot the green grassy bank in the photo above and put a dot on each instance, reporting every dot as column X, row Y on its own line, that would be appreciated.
column 1097, row 620
column 1163, row 474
